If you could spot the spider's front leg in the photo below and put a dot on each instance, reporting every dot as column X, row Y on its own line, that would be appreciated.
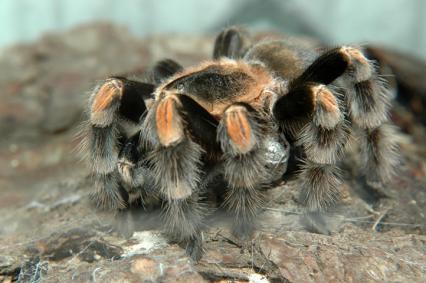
column 114, row 106
column 111, row 137
column 135, row 175
column 178, row 130
column 240, row 134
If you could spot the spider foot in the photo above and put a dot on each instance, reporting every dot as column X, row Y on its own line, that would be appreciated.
column 316, row 222
column 124, row 223
column 183, row 222
column 107, row 193
column 243, row 229
column 194, row 247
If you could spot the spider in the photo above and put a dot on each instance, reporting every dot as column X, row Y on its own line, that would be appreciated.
column 239, row 117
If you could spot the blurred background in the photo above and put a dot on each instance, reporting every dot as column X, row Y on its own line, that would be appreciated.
column 396, row 23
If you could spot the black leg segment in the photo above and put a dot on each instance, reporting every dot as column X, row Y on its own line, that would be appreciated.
column 229, row 43
column 165, row 69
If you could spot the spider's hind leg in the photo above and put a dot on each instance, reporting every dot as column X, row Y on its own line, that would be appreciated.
column 321, row 129
column 368, row 102
column 164, row 69
column 113, row 103
column 230, row 43
column 240, row 134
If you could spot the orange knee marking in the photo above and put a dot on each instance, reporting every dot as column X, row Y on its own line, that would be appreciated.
column 106, row 94
column 354, row 54
column 326, row 98
column 168, row 121
column 239, row 129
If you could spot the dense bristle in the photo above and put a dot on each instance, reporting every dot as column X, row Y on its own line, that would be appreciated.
column 115, row 106
column 243, row 202
column 245, row 171
column 105, row 102
column 381, row 154
column 323, row 145
column 183, row 218
column 177, row 169
column 320, row 185
column 243, row 168
column 168, row 120
column 183, row 223
column 107, row 192
column 103, row 148
column 368, row 103
column 244, row 205
column 225, row 124
column 359, row 68
column 327, row 113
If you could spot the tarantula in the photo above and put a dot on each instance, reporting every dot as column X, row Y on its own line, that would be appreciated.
column 174, row 134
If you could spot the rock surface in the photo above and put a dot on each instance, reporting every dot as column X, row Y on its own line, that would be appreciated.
column 51, row 233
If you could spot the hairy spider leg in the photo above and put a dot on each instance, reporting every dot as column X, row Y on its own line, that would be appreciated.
column 323, row 140
column 230, row 43
column 180, row 132
column 313, row 116
column 111, row 138
column 164, row 69
column 240, row 134
column 368, row 101
column 115, row 105
column 324, row 130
